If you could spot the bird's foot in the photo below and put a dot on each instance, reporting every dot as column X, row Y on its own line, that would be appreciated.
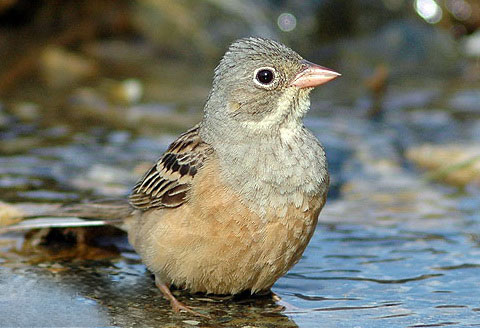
column 282, row 306
column 177, row 306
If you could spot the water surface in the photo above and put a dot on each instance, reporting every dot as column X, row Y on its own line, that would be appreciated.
column 391, row 249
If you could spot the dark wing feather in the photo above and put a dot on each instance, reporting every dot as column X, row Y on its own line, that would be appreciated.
column 167, row 183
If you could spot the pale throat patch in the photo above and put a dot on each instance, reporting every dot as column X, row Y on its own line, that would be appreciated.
column 284, row 114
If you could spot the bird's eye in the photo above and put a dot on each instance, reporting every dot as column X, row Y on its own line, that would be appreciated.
column 264, row 76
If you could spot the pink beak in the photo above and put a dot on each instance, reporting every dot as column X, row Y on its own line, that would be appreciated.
column 313, row 75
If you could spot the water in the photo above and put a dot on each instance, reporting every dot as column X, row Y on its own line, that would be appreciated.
column 392, row 249
column 411, row 265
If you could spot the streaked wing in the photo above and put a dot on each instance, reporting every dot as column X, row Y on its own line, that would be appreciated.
column 167, row 183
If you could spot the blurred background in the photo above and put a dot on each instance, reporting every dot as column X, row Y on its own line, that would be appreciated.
column 111, row 70
column 92, row 93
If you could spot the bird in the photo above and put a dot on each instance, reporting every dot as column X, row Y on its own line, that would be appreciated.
column 233, row 202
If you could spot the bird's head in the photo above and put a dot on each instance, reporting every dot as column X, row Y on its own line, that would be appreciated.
column 261, row 84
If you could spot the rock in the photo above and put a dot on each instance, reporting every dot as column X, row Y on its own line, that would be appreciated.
column 26, row 111
column 125, row 92
column 62, row 69
column 455, row 164
column 471, row 45
column 9, row 214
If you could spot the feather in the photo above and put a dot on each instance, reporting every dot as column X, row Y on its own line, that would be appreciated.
column 167, row 183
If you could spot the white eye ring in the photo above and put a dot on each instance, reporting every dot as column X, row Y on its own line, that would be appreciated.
column 268, row 81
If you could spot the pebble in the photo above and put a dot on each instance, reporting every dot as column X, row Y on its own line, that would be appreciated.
column 9, row 214
column 454, row 164
column 61, row 68
column 127, row 92
column 26, row 111
column 191, row 322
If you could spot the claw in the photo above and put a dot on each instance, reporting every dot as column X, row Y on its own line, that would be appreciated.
column 177, row 306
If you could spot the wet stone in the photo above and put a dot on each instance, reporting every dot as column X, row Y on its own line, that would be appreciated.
column 26, row 111
column 61, row 68
column 457, row 164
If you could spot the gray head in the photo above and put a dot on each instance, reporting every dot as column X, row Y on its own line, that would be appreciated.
column 261, row 85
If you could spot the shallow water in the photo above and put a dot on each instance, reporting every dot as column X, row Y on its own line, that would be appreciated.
column 411, row 265
column 391, row 249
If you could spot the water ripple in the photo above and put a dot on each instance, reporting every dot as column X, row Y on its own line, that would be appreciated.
column 460, row 266
column 379, row 281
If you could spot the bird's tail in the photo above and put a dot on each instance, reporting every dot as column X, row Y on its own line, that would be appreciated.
column 96, row 213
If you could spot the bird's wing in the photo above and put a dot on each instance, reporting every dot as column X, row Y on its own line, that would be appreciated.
column 167, row 183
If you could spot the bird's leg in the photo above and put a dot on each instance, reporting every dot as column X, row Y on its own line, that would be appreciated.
column 177, row 306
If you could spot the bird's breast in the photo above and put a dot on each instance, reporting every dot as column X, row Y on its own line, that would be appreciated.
column 214, row 243
column 288, row 168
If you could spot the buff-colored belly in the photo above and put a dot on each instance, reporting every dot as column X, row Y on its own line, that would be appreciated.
column 216, row 245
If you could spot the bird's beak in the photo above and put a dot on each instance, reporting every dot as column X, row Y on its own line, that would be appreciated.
column 313, row 75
